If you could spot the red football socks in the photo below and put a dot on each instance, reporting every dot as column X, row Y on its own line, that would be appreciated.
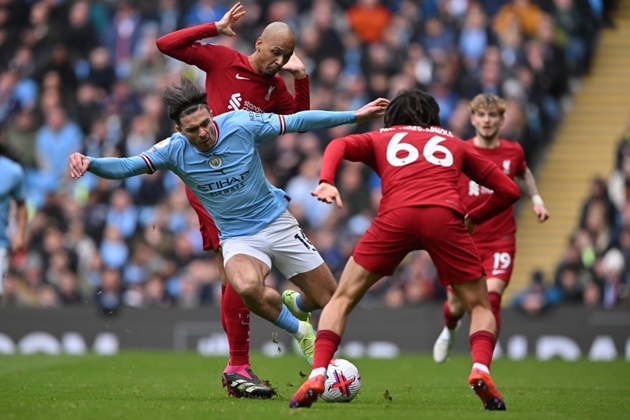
column 235, row 316
column 482, row 346
column 223, row 324
column 326, row 345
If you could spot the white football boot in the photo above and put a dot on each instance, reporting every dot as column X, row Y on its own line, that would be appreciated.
column 444, row 343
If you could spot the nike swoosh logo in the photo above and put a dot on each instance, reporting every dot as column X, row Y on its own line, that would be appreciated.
column 498, row 271
column 239, row 77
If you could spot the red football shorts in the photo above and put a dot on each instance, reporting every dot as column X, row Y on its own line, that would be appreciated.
column 497, row 257
column 438, row 230
column 207, row 227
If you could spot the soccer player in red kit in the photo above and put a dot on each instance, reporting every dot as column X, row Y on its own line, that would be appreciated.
column 419, row 164
column 238, row 81
column 495, row 240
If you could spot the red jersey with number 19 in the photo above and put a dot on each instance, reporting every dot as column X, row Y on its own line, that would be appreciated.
column 421, row 167
column 510, row 158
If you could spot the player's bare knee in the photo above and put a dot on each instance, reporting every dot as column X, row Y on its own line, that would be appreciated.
column 248, row 289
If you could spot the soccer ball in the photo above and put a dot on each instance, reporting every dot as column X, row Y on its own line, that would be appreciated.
column 343, row 381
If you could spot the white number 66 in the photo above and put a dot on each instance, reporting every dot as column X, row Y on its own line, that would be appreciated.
column 432, row 147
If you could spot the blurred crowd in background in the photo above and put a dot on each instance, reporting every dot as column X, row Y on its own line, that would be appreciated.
column 594, row 269
column 86, row 76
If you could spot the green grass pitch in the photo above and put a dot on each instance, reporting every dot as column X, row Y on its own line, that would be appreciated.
column 165, row 385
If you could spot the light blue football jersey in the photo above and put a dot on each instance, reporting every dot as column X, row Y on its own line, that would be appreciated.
column 228, row 180
column 11, row 188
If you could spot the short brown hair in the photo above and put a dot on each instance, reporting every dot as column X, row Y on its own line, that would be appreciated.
column 184, row 99
column 487, row 101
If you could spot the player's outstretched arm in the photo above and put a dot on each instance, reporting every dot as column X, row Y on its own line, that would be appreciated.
column 327, row 193
column 224, row 26
column 317, row 120
column 108, row 168
column 374, row 109
column 506, row 193
column 181, row 44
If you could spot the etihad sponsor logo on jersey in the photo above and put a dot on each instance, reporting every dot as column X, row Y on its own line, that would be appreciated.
column 475, row 189
column 224, row 186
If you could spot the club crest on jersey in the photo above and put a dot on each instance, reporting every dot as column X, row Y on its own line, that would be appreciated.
column 506, row 166
column 215, row 162
column 160, row 145
column 268, row 97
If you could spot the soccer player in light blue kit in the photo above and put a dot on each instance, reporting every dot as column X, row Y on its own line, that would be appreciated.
column 11, row 188
column 217, row 158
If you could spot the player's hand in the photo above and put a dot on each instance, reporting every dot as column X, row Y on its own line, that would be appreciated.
column 541, row 213
column 372, row 110
column 19, row 244
column 224, row 26
column 470, row 225
column 295, row 67
column 78, row 165
column 327, row 193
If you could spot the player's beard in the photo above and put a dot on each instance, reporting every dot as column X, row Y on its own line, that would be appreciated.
column 271, row 71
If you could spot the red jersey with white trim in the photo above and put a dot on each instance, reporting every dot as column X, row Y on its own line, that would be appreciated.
column 510, row 158
column 421, row 167
column 231, row 84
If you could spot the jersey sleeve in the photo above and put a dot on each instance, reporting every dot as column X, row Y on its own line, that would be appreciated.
column 268, row 126
column 19, row 190
column 355, row 148
column 157, row 157
column 475, row 166
column 302, row 94
column 184, row 46
column 286, row 104
column 118, row 168
column 486, row 173
column 160, row 155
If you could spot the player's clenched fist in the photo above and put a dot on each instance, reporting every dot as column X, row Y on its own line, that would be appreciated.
column 78, row 165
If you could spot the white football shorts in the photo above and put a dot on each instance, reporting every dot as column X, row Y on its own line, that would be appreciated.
column 281, row 244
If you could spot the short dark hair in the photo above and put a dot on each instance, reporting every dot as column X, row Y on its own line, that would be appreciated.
column 184, row 99
column 413, row 107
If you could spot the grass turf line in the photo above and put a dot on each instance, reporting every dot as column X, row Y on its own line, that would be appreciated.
column 165, row 385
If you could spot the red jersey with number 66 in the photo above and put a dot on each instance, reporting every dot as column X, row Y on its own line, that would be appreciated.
column 510, row 158
column 421, row 167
